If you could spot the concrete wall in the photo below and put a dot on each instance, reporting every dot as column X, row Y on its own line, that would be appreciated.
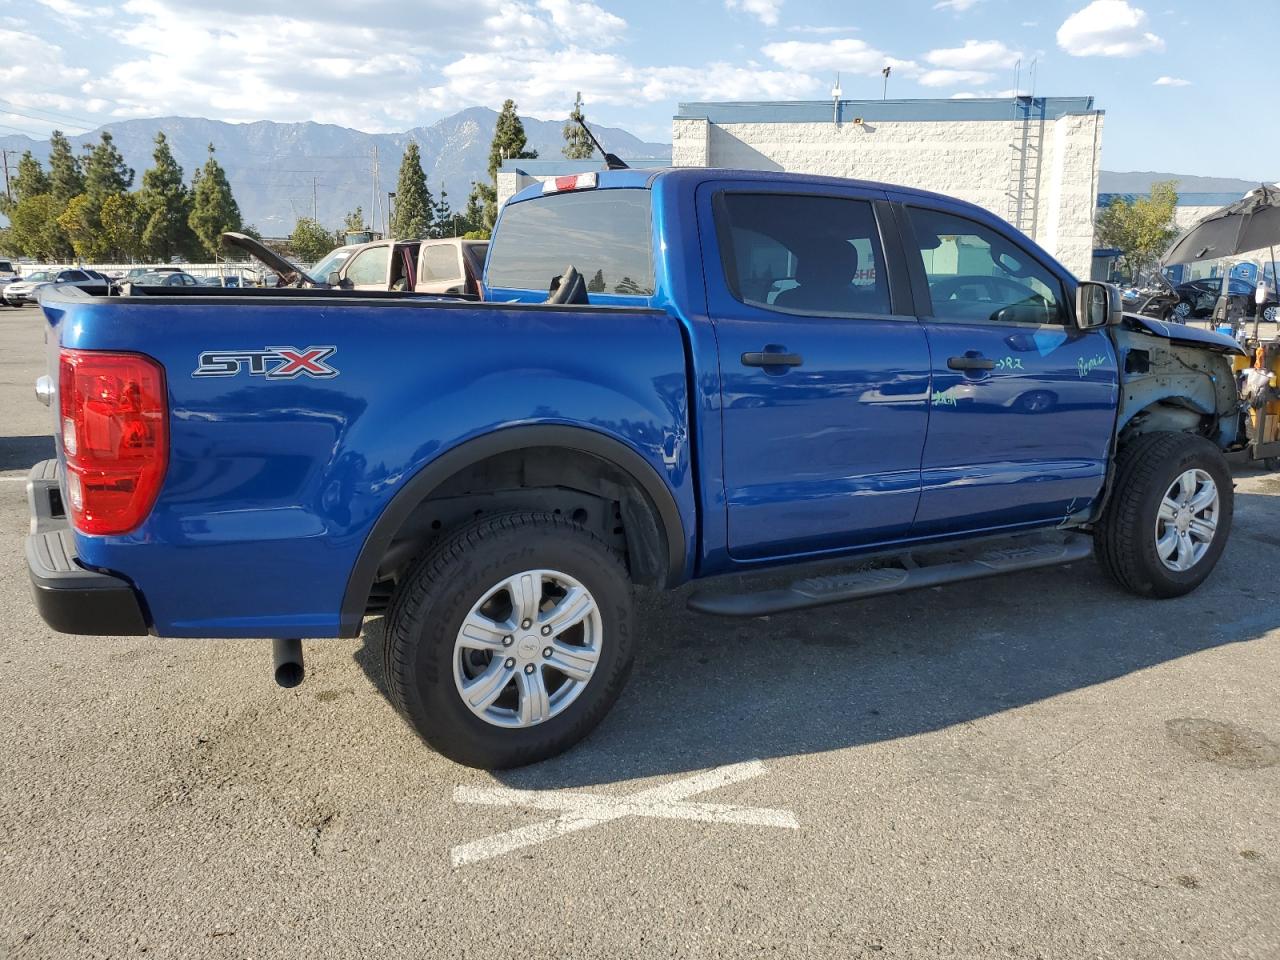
column 968, row 159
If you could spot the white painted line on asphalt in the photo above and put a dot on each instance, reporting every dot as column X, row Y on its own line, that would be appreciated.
column 578, row 811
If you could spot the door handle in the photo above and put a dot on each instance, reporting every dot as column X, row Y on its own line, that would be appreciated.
column 970, row 363
column 769, row 358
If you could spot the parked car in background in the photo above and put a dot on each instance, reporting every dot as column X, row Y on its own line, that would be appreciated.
column 167, row 278
column 134, row 273
column 24, row 291
column 231, row 280
column 7, row 275
column 447, row 266
column 1198, row 297
column 1152, row 296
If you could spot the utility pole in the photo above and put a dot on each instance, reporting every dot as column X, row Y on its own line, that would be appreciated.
column 315, row 209
column 884, row 93
column 7, row 192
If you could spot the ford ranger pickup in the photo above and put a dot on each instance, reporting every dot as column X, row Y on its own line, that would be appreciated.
column 673, row 375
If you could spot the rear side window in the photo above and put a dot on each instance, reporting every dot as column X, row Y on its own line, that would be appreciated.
column 72, row 276
column 440, row 262
column 605, row 234
column 817, row 256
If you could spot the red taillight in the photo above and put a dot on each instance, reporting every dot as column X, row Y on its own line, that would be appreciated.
column 115, row 435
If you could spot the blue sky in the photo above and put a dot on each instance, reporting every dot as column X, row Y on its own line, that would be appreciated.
column 1167, row 74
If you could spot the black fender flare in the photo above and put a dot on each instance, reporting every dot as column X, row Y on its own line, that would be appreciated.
column 434, row 474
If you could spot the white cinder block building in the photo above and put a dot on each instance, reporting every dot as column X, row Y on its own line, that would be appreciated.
column 1033, row 161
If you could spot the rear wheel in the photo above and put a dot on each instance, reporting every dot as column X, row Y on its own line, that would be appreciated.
column 1169, row 516
column 511, row 640
column 1182, row 312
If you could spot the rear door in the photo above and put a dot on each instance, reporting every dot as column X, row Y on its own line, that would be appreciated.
column 1023, row 403
column 440, row 268
column 824, row 369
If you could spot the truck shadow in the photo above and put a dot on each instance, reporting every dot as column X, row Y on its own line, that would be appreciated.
column 707, row 692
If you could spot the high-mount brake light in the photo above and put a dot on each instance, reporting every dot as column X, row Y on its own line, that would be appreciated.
column 578, row 181
column 115, row 437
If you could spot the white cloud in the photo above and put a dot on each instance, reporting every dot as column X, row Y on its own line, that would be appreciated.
column 974, row 55
column 35, row 78
column 821, row 30
column 847, row 54
column 1107, row 28
column 959, row 6
column 585, row 22
column 766, row 11
column 951, row 78
column 1171, row 82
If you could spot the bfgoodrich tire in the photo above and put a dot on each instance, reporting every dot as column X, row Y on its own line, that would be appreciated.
column 511, row 640
column 1169, row 516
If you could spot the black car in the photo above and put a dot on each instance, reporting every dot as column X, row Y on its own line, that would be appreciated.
column 1197, row 298
column 1152, row 296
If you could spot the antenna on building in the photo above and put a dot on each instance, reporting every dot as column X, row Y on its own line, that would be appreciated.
column 836, row 94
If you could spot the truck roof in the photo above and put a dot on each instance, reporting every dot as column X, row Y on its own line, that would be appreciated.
column 612, row 179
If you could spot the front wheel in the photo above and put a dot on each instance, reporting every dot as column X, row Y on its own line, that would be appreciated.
column 1182, row 311
column 1269, row 313
column 1169, row 516
column 511, row 640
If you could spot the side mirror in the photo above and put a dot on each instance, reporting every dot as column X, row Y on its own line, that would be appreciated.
column 1097, row 305
column 334, row 279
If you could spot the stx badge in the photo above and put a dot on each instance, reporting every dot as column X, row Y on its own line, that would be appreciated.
column 274, row 363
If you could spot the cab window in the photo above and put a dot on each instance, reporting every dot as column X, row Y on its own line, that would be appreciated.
column 370, row 267
column 976, row 274
column 790, row 253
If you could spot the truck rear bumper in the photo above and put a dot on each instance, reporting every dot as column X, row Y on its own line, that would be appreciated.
column 72, row 598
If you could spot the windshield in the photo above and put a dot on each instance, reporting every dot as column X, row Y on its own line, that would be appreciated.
column 39, row 275
column 334, row 261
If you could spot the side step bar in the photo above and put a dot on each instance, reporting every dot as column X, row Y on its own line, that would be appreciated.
column 838, row 587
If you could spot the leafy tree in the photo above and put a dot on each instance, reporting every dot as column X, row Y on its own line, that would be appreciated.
column 577, row 145
column 30, row 180
column 486, row 195
column 414, row 206
column 471, row 219
column 123, row 221
column 213, row 208
column 166, row 205
column 354, row 222
column 34, row 229
column 1141, row 229
column 309, row 240
column 79, row 223
column 509, row 142
column 66, row 179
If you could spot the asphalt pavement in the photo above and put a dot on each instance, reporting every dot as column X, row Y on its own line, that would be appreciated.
column 1033, row 766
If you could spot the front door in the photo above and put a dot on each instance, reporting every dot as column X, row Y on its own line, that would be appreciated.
column 824, row 371
column 1023, row 403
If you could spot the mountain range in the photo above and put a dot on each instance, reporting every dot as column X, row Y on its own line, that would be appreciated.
column 282, row 171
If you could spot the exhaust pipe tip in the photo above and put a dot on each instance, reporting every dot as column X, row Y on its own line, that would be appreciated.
column 288, row 667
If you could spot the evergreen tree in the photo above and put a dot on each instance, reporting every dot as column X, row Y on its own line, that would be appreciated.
column 166, row 206
column 577, row 145
column 509, row 142
column 473, row 216
column 443, row 224
column 414, row 206
column 66, row 180
column 30, row 180
column 213, row 209
column 105, row 171
column 596, row 283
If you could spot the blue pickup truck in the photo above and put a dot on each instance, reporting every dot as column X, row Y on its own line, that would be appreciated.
column 672, row 375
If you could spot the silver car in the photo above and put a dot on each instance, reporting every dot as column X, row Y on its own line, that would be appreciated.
column 24, row 290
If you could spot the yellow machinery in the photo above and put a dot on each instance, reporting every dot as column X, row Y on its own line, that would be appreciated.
column 1264, row 413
